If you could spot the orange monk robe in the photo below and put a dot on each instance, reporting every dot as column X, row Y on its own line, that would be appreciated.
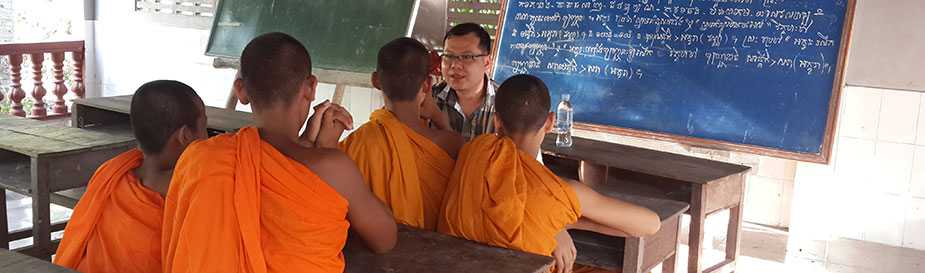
column 116, row 226
column 406, row 170
column 501, row 196
column 236, row 204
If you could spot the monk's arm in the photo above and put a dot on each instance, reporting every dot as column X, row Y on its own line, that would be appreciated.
column 367, row 215
column 616, row 214
column 586, row 224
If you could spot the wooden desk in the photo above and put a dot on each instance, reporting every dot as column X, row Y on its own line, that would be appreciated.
column 115, row 110
column 39, row 159
column 13, row 262
column 708, row 186
column 634, row 254
column 426, row 251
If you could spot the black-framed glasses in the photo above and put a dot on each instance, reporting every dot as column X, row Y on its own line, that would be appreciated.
column 465, row 58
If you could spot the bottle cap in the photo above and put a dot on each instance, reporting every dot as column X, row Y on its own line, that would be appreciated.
column 566, row 97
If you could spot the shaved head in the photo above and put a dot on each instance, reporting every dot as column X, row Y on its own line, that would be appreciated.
column 522, row 103
column 273, row 68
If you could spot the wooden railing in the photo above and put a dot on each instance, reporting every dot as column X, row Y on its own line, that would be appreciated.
column 37, row 53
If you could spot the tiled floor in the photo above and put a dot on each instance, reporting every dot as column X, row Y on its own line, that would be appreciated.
column 764, row 250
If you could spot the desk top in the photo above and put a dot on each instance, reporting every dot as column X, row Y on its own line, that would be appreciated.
column 34, row 138
column 20, row 263
column 425, row 251
column 219, row 119
column 662, row 164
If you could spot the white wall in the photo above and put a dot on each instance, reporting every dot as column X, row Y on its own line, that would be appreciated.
column 874, row 190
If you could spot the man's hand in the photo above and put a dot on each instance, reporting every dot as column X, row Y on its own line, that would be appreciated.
column 327, row 123
column 565, row 252
column 334, row 121
column 430, row 112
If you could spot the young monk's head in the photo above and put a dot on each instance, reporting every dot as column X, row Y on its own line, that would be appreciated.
column 276, row 75
column 166, row 116
column 401, row 71
column 522, row 104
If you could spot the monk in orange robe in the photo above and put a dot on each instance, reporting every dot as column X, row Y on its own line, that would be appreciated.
column 501, row 195
column 404, row 161
column 264, row 199
column 116, row 226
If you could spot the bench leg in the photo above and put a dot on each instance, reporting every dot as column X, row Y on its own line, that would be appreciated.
column 41, row 214
column 695, row 239
column 4, row 222
column 669, row 265
column 633, row 254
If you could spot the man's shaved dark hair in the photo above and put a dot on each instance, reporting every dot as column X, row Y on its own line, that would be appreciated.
column 403, row 64
column 159, row 109
column 522, row 103
column 273, row 67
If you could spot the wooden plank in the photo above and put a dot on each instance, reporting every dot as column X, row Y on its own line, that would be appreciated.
column 15, row 262
column 663, row 164
column 43, row 140
column 426, row 251
column 218, row 119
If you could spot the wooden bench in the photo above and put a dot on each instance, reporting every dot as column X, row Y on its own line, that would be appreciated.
column 14, row 262
column 51, row 162
column 115, row 110
column 708, row 186
column 427, row 251
column 634, row 254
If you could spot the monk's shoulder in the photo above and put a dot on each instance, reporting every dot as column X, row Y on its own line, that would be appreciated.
column 450, row 142
column 327, row 161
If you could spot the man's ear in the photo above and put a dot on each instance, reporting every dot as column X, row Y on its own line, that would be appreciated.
column 374, row 78
column 550, row 122
column 311, row 85
column 185, row 136
column 239, row 91
column 488, row 63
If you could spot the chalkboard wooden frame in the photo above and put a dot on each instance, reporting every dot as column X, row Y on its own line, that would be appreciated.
column 823, row 157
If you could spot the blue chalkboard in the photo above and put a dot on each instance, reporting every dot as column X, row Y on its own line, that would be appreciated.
column 753, row 73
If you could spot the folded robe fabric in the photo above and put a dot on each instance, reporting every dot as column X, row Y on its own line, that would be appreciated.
column 404, row 169
column 236, row 204
column 501, row 196
column 116, row 225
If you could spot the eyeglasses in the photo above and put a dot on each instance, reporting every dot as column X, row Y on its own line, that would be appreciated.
column 465, row 58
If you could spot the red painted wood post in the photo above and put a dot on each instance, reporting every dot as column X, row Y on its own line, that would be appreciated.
column 78, row 87
column 38, row 93
column 60, row 88
column 16, row 92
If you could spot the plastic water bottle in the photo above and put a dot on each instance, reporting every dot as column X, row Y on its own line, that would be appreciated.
column 564, row 122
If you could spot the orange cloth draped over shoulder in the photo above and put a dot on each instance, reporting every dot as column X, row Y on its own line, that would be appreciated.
column 404, row 169
column 501, row 196
column 116, row 225
column 236, row 204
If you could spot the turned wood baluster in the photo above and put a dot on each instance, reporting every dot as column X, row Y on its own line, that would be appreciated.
column 38, row 93
column 78, row 87
column 60, row 88
column 16, row 92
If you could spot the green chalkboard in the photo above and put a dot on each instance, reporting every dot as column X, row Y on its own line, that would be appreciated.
column 341, row 35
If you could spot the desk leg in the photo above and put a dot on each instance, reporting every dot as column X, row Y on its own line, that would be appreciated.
column 698, row 219
column 41, row 214
column 592, row 174
column 4, row 222
column 633, row 254
column 734, row 230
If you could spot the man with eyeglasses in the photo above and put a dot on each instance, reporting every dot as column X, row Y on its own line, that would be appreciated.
column 467, row 94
